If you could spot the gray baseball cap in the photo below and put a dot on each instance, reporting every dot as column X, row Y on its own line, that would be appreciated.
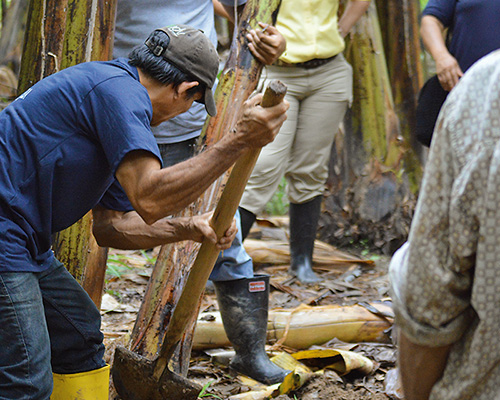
column 191, row 51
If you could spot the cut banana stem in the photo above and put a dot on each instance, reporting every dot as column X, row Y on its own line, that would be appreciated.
column 305, row 326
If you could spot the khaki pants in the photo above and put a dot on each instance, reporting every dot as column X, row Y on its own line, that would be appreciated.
column 318, row 100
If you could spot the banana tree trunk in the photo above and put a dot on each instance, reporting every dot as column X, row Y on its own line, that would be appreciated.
column 13, row 26
column 370, row 198
column 238, row 80
column 59, row 34
column 403, row 53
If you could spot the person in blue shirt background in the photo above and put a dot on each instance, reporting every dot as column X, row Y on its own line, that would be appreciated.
column 62, row 144
column 475, row 26
column 472, row 30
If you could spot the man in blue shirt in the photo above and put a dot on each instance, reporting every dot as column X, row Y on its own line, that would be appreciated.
column 62, row 144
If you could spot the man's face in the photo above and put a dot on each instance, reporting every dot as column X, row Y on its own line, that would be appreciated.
column 173, row 103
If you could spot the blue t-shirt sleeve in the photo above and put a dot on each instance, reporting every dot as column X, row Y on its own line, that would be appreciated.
column 118, row 111
column 443, row 10
column 116, row 199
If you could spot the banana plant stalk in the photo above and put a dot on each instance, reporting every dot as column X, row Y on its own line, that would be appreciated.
column 403, row 54
column 59, row 34
column 372, row 176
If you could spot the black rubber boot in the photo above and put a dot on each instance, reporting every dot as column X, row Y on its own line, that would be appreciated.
column 243, row 304
column 303, row 224
column 247, row 220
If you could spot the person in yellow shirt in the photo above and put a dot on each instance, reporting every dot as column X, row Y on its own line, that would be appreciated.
column 319, row 82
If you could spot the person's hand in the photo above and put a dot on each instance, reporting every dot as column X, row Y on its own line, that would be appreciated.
column 201, row 228
column 258, row 126
column 226, row 240
column 267, row 44
column 448, row 71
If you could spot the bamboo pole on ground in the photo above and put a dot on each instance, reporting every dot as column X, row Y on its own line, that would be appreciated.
column 59, row 34
column 237, row 81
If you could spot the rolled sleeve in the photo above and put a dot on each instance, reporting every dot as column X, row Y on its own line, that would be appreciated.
column 417, row 331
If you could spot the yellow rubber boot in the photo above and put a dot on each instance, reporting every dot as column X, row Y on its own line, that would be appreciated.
column 90, row 385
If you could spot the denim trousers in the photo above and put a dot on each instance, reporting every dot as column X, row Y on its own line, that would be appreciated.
column 233, row 263
column 48, row 324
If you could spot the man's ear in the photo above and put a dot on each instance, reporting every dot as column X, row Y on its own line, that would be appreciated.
column 185, row 86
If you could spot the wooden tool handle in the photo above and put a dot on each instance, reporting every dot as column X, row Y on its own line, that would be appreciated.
column 207, row 255
column 274, row 94
column 237, row 181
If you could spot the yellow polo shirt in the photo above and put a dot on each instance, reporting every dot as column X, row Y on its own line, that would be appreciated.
column 310, row 29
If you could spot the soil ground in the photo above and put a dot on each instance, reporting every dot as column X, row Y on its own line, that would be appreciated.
column 342, row 286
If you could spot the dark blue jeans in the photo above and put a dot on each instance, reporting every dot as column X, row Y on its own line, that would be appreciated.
column 174, row 153
column 47, row 323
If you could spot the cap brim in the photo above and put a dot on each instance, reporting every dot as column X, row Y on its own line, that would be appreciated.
column 209, row 102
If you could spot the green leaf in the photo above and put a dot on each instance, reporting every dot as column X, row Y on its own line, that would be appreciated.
column 204, row 394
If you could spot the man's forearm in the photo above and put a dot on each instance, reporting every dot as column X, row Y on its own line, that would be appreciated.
column 156, row 193
column 180, row 185
column 420, row 367
column 128, row 231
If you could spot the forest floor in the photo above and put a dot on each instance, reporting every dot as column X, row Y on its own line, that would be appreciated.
column 345, row 285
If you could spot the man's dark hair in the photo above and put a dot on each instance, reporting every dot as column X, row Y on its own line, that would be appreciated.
column 158, row 68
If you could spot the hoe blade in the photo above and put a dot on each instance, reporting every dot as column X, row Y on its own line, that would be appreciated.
column 133, row 380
